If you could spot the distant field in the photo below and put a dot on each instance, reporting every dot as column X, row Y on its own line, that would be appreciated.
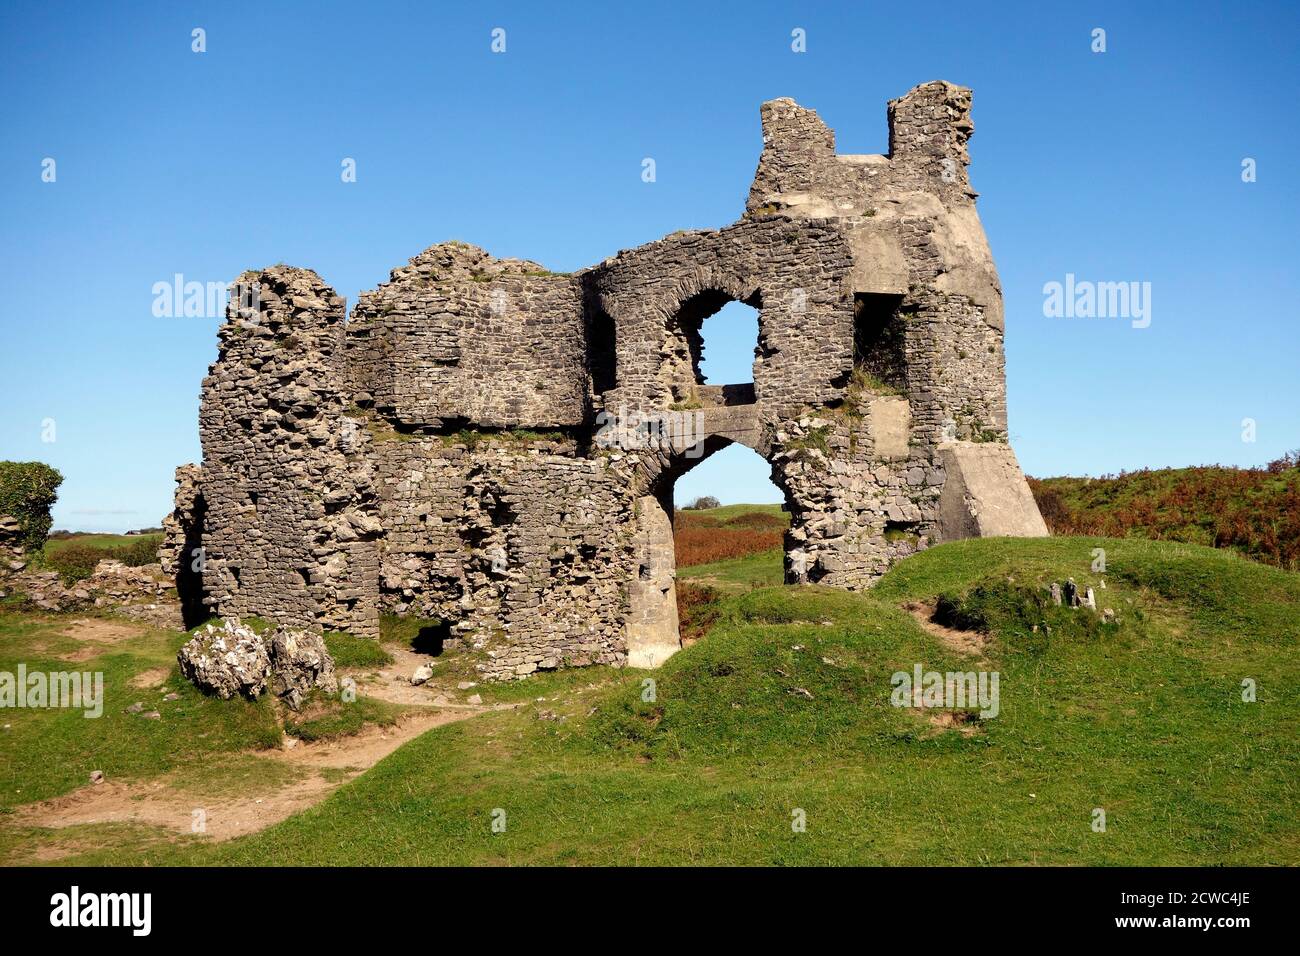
column 727, row 512
column 728, row 532
column 100, row 541
column 75, row 557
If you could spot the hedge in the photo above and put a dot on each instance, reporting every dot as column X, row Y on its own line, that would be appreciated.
column 27, row 490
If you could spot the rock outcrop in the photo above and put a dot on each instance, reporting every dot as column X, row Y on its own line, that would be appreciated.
column 228, row 661
column 300, row 664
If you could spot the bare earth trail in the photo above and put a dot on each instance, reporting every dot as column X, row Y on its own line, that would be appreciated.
column 315, row 771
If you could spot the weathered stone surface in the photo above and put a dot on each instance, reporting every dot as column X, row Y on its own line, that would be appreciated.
column 986, row 495
column 300, row 664
column 480, row 442
column 227, row 661
column 12, row 557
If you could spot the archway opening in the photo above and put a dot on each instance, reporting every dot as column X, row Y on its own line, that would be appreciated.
column 714, row 525
column 729, row 521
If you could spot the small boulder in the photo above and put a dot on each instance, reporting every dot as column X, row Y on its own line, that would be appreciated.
column 422, row 674
column 475, row 699
column 96, row 776
column 300, row 663
column 227, row 660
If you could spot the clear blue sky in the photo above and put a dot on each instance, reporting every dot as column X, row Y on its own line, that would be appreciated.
column 1118, row 166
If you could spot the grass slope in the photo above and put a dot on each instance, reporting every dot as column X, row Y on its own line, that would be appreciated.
column 785, row 707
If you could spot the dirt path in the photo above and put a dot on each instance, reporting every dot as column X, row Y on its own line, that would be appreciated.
column 314, row 771
column 393, row 682
column 97, row 635
column 963, row 642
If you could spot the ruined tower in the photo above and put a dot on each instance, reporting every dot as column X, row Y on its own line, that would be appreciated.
column 493, row 445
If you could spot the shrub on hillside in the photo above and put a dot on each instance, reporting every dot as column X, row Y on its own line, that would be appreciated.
column 702, row 538
column 27, row 491
column 1288, row 461
column 704, row 503
column 76, row 562
column 704, row 544
column 140, row 552
column 1254, row 511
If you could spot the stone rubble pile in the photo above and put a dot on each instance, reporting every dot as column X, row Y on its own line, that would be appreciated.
column 300, row 663
column 228, row 661
column 140, row 592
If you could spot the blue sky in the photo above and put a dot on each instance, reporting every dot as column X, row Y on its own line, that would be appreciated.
column 1115, row 166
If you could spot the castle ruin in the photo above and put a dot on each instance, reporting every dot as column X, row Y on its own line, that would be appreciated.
column 492, row 445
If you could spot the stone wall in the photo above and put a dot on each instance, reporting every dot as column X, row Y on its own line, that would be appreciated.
column 445, row 453
column 460, row 338
column 289, row 525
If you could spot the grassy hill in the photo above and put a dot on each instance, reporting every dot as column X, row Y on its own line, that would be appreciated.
column 784, row 708
column 730, row 531
column 1255, row 512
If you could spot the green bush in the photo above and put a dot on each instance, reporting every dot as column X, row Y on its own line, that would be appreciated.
column 27, row 490
column 76, row 561
column 143, row 550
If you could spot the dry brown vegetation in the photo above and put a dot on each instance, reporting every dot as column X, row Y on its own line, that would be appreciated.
column 1255, row 511
column 702, row 539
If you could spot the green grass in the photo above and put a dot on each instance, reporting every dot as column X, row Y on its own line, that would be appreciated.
column 785, row 706
column 348, row 650
column 47, row 752
column 737, row 574
column 329, row 719
column 102, row 541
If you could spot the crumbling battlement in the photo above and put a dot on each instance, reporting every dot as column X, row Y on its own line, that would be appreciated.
column 445, row 453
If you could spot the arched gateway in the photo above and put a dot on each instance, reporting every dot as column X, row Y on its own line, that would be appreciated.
column 445, row 452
